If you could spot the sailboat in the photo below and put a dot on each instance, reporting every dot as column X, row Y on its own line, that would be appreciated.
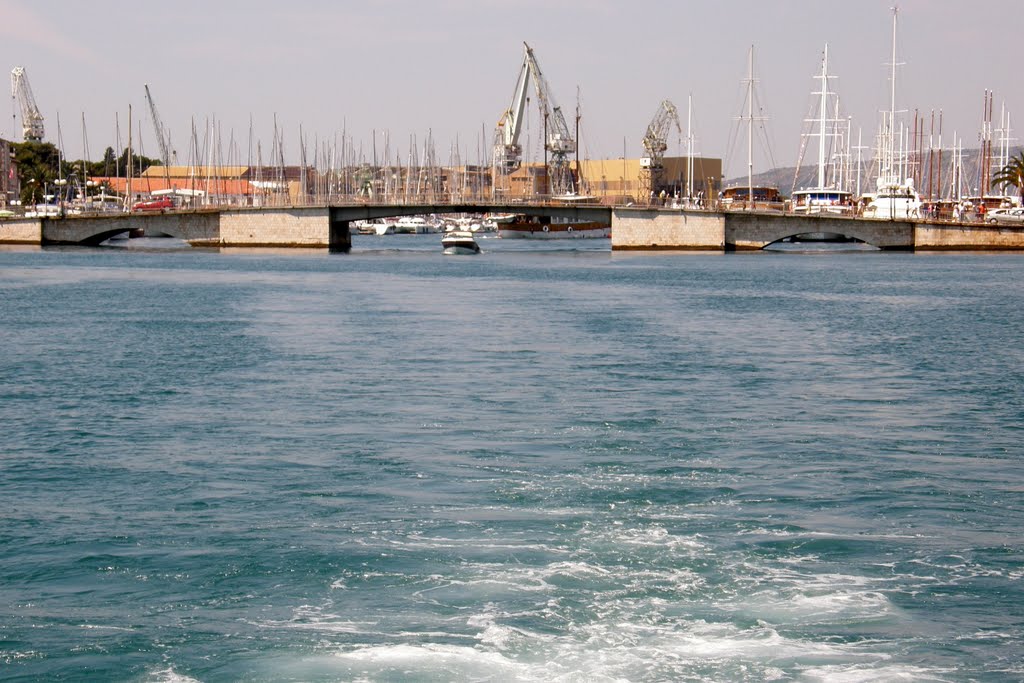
column 823, row 197
column 895, row 196
column 750, row 197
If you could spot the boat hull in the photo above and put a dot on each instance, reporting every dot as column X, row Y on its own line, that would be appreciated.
column 461, row 250
column 459, row 243
column 553, row 231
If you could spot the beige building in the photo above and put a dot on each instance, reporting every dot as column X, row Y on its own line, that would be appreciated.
column 618, row 181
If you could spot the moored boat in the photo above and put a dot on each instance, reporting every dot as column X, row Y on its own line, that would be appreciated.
column 545, row 227
column 893, row 201
column 822, row 200
column 827, row 195
column 765, row 198
column 895, row 196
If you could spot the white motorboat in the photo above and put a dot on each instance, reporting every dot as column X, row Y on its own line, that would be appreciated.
column 460, row 242
column 894, row 201
column 414, row 225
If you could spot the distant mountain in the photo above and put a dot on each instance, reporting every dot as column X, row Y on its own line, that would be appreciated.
column 782, row 178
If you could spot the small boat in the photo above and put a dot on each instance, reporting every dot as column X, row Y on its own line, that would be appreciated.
column 460, row 242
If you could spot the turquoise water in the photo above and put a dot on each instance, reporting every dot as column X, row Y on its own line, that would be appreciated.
column 544, row 463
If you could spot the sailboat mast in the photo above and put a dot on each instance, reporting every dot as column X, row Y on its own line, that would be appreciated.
column 750, row 128
column 822, row 108
column 892, row 96
column 689, row 146
column 128, row 162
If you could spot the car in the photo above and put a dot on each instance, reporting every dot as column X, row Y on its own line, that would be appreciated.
column 1015, row 215
column 161, row 204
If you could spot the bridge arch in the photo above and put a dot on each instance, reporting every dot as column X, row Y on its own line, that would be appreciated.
column 745, row 231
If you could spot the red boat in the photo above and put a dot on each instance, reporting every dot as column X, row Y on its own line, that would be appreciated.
column 161, row 204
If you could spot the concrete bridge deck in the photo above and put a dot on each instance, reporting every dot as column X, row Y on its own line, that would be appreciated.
column 633, row 228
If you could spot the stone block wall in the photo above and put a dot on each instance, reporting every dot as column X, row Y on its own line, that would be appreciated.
column 646, row 229
column 930, row 236
column 22, row 231
column 297, row 227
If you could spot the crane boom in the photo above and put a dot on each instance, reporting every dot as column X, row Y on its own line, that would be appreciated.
column 559, row 140
column 31, row 119
column 163, row 138
column 655, row 144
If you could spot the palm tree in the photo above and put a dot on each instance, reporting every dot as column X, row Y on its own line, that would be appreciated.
column 1012, row 173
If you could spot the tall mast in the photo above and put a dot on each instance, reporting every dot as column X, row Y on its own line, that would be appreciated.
column 689, row 146
column 822, row 106
column 750, row 128
column 892, row 96
column 128, row 185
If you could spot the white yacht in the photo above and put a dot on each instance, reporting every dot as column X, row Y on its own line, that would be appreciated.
column 824, row 197
column 414, row 225
column 459, row 242
column 895, row 196
column 893, row 201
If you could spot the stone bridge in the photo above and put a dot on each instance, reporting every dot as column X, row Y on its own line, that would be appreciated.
column 749, row 230
column 314, row 227
column 633, row 228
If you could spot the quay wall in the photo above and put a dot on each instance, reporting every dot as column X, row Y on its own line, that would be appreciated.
column 291, row 227
column 938, row 236
column 22, row 231
column 667, row 229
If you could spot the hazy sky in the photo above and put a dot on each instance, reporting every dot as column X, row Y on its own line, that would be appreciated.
column 449, row 67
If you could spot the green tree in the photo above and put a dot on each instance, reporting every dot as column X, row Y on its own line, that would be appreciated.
column 37, row 164
column 139, row 164
column 1012, row 173
column 108, row 167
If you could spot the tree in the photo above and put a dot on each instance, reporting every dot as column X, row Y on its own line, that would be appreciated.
column 37, row 169
column 139, row 163
column 1012, row 173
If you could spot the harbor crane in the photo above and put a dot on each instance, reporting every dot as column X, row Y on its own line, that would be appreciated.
column 652, row 164
column 31, row 119
column 163, row 138
column 558, row 139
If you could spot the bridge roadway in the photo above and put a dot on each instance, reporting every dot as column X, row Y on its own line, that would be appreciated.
column 633, row 228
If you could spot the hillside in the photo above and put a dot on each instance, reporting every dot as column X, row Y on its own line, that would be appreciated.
column 782, row 178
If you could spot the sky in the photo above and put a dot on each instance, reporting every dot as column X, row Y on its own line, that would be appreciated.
column 389, row 74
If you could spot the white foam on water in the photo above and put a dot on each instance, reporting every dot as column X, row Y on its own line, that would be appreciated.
column 456, row 662
column 169, row 675
column 890, row 673
column 784, row 596
column 11, row 656
column 318, row 619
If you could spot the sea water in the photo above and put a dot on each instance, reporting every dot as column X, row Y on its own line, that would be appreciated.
column 548, row 462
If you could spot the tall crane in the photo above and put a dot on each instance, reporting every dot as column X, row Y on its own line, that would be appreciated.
column 558, row 139
column 652, row 166
column 167, row 155
column 31, row 119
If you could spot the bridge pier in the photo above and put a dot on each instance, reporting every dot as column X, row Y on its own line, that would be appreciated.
column 339, row 240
